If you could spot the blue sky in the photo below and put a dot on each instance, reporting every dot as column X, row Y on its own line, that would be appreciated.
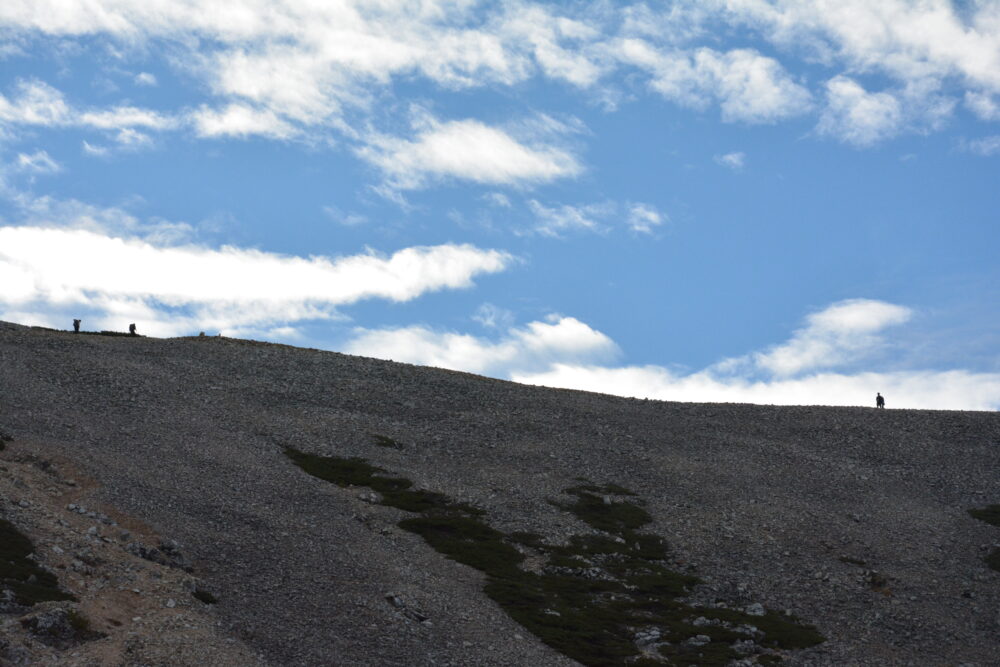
column 755, row 200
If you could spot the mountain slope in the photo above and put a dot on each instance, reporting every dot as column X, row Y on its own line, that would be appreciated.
column 854, row 520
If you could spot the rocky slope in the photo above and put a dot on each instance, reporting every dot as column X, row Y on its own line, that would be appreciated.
column 852, row 519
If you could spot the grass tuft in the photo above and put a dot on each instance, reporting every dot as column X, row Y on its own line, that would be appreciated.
column 993, row 560
column 29, row 582
column 989, row 514
column 386, row 441
column 204, row 596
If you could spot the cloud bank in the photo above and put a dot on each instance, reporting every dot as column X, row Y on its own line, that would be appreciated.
column 49, row 274
column 566, row 353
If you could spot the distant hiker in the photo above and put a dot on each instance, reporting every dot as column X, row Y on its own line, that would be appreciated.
column 76, row 326
column 879, row 401
column 131, row 329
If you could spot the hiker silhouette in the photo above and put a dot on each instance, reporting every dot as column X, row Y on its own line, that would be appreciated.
column 76, row 326
column 131, row 328
column 879, row 401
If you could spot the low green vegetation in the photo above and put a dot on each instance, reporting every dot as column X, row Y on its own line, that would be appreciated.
column 18, row 573
column 386, row 441
column 204, row 596
column 993, row 560
column 590, row 596
column 989, row 514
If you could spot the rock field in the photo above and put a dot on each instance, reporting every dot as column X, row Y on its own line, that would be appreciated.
column 146, row 471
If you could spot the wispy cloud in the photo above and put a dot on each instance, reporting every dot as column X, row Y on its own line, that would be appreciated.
column 145, row 79
column 644, row 218
column 38, row 162
column 556, row 220
column 985, row 146
column 735, row 161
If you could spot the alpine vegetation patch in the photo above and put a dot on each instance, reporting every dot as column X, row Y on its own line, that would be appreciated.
column 601, row 598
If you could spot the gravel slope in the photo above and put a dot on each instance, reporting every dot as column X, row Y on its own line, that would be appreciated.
column 797, row 508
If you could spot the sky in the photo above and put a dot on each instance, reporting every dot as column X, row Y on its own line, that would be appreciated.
column 754, row 201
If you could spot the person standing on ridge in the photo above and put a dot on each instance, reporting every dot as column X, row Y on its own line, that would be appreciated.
column 131, row 329
column 879, row 401
column 76, row 326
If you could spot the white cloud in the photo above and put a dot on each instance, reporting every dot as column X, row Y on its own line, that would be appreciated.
column 123, row 117
column 558, row 220
column 466, row 150
column 274, row 66
column 735, row 161
column 35, row 103
column 38, row 162
column 342, row 218
column 986, row 146
column 643, row 218
column 535, row 346
column 554, row 221
column 184, row 288
column 498, row 199
column 145, row 79
column 132, row 139
column 748, row 86
column 983, row 105
column 493, row 317
column 858, row 117
column 907, row 40
column 239, row 120
column 831, row 337
column 938, row 390
column 94, row 149
column 564, row 352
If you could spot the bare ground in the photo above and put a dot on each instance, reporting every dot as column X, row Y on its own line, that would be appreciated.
column 853, row 519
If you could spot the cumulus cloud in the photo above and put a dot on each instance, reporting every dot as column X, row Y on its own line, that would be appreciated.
column 858, row 117
column 909, row 41
column 566, row 353
column 276, row 66
column 466, row 150
column 534, row 346
column 749, row 87
column 734, row 161
column 183, row 288
column 239, row 120
column 832, row 336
